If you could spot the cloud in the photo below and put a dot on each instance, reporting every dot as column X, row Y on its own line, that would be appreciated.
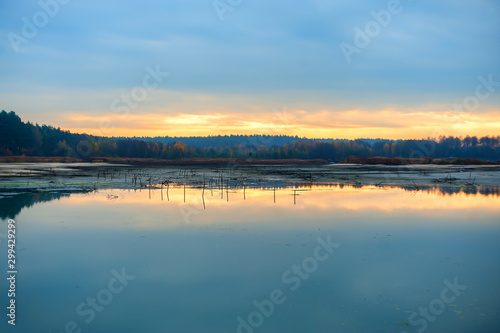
column 350, row 124
column 263, row 55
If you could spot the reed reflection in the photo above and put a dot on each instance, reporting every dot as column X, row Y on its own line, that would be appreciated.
column 237, row 198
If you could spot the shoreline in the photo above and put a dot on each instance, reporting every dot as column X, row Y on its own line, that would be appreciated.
column 195, row 161
column 134, row 176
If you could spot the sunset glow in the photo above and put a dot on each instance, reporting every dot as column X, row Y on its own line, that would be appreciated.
column 354, row 124
column 432, row 70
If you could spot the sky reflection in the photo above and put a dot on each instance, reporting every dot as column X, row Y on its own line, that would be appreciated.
column 321, row 203
column 198, row 270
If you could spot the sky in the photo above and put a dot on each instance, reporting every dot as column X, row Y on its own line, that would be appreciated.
column 313, row 68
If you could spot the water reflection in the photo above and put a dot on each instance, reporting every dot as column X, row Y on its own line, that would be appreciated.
column 12, row 202
column 203, row 256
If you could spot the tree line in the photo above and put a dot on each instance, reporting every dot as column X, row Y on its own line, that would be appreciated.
column 20, row 138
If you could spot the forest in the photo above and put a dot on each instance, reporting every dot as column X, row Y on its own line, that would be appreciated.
column 20, row 138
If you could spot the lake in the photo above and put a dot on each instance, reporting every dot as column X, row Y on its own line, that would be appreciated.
column 317, row 258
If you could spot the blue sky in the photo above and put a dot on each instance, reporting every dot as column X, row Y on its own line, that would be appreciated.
column 264, row 56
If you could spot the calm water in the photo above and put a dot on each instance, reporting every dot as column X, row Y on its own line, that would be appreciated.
column 321, row 259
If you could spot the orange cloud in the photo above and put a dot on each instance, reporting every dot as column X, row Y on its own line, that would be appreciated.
column 324, row 123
